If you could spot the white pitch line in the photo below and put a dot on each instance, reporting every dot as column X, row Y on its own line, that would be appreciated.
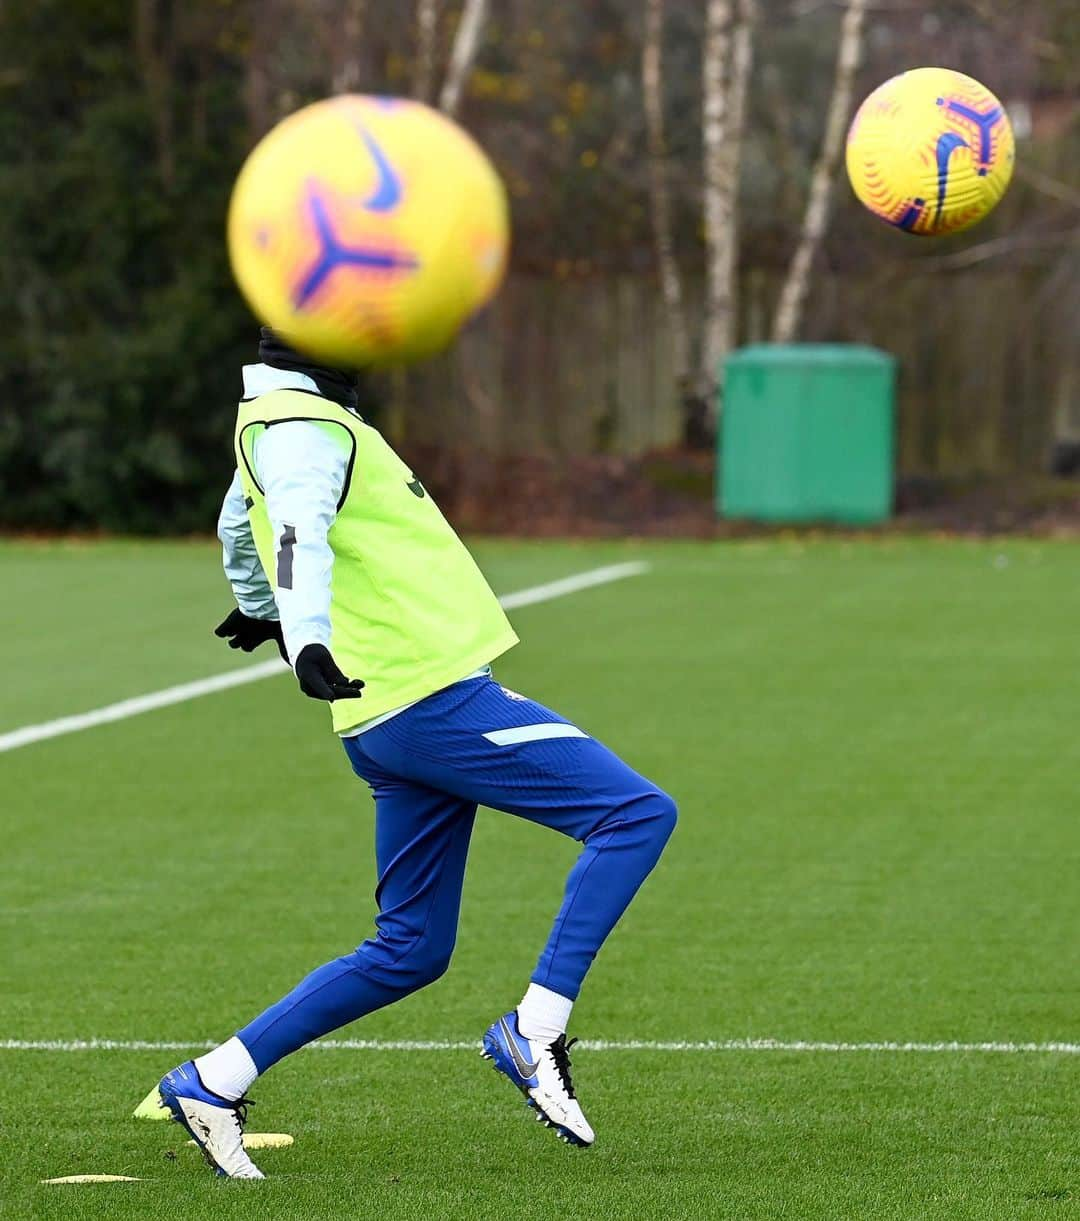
column 712, row 1045
column 573, row 585
column 141, row 703
column 29, row 734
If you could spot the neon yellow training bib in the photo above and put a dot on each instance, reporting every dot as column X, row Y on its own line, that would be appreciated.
column 410, row 612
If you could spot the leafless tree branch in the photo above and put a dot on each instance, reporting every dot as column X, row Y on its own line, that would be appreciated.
column 999, row 246
column 1047, row 185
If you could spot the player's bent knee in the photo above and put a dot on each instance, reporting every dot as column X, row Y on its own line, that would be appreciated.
column 430, row 968
column 667, row 814
column 406, row 965
column 664, row 815
column 648, row 818
column 422, row 965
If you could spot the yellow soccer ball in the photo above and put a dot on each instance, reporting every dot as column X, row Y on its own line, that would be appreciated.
column 931, row 151
column 367, row 230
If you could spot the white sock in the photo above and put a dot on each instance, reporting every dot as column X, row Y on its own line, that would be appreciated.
column 228, row 1070
column 543, row 1015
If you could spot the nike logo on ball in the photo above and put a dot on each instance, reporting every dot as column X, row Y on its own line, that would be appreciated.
column 388, row 190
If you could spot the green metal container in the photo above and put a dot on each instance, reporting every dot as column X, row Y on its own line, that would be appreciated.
column 807, row 434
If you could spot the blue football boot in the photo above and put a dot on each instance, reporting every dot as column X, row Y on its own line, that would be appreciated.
column 542, row 1072
column 215, row 1124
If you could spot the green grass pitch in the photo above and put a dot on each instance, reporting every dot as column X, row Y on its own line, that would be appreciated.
column 874, row 749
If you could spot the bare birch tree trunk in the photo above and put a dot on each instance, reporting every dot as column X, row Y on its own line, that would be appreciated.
column 789, row 311
column 427, row 27
column 463, row 56
column 715, row 66
column 727, row 253
column 347, row 73
column 652, row 82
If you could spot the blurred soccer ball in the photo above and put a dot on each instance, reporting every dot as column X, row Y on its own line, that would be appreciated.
column 930, row 151
column 367, row 230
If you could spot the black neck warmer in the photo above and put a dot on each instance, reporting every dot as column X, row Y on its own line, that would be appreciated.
column 334, row 384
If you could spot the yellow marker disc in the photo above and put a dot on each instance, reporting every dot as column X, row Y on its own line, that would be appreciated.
column 151, row 1108
column 267, row 1140
column 264, row 1140
column 94, row 1178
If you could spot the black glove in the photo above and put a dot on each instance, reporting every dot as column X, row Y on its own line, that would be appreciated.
column 320, row 677
column 247, row 634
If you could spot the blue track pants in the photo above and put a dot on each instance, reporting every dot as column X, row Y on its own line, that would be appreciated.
column 429, row 767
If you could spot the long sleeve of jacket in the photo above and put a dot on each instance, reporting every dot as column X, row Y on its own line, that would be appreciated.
column 240, row 559
column 301, row 468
